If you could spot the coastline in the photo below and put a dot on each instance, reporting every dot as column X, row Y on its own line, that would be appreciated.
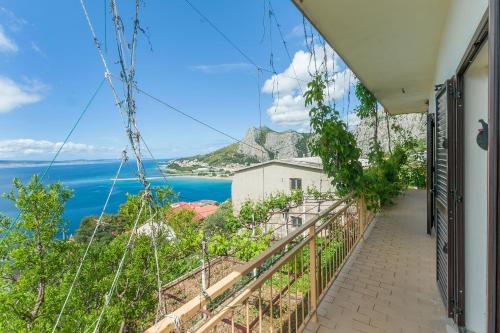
column 176, row 176
column 200, row 177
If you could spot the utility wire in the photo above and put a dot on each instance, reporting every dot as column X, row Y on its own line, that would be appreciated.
column 87, row 106
column 173, row 108
column 120, row 268
column 157, row 163
column 273, row 13
column 161, row 305
column 236, row 47
column 98, row 224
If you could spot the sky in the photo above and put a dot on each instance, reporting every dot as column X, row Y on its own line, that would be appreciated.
column 50, row 69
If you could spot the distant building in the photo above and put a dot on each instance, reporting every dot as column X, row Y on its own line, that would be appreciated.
column 258, row 181
column 156, row 227
column 202, row 208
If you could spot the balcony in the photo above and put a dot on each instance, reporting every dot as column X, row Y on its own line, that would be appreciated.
column 389, row 283
column 343, row 271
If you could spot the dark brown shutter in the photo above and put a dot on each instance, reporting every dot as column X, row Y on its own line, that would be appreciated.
column 459, row 297
column 443, row 185
column 430, row 172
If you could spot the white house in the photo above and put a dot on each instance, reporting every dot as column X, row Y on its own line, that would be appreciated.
column 258, row 181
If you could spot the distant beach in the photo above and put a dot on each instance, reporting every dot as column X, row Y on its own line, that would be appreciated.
column 91, row 181
column 182, row 175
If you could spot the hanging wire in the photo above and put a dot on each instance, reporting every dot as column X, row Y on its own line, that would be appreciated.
column 348, row 100
column 260, row 128
column 327, row 77
column 313, row 49
column 263, row 22
column 66, row 139
column 157, row 163
column 120, row 267
column 271, row 63
column 124, row 159
column 343, row 96
column 127, row 75
column 161, row 305
column 105, row 27
column 107, row 72
column 171, row 107
column 273, row 13
column 230, row 42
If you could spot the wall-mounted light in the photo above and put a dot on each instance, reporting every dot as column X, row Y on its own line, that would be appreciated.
column 482, row 135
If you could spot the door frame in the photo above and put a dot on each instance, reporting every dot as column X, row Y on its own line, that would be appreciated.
column 478, row 40
column 493, row 297
column 456, row 223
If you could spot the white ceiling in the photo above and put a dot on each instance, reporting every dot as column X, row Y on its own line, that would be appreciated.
column 391, row 45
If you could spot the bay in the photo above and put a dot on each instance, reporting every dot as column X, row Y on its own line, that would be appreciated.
column 91, row 181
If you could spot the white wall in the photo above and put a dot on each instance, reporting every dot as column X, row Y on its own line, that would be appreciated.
column 475, row 196
column 461, row 23
column 274, row 178
column 463, row 19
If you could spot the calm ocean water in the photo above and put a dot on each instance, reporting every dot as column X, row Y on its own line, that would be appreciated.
column 91, row 181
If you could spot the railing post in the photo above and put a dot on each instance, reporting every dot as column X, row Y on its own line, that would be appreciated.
column 312, row 273
column 362, row 216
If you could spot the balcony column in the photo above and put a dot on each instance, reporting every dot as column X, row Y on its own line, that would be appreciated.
column 313, row 273
column 362, row 216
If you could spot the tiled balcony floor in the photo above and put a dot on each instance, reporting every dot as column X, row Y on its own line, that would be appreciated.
column 389, row 284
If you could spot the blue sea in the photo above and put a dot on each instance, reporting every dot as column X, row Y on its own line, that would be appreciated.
column 91, row 181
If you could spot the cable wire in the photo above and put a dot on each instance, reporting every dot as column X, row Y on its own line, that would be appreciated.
column 227, row 39
column 273, row 13
column 98, row 224
column 120, row 268
column 171, row 107
column 87, row 106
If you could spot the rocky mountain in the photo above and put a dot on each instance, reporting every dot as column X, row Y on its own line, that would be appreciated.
column 265, row 144
column 414, row 124
column 259, row 145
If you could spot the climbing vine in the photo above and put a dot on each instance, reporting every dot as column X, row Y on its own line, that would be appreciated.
column 386, row 174
column 332, row 140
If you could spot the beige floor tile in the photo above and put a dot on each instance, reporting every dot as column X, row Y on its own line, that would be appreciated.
column 389, row 283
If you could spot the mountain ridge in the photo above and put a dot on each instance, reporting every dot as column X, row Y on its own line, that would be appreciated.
column 258, row 145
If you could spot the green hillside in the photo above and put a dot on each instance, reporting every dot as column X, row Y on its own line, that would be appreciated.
column 225, row 155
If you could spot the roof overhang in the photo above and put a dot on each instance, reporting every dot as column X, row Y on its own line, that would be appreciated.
column 391, row 45
column 287, row 163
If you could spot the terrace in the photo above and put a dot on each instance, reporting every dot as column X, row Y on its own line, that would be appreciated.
column 344, row 270
column 389, row 283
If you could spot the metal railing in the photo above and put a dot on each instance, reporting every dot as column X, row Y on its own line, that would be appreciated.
column 279, row 290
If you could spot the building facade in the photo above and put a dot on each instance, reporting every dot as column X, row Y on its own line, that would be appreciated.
column 258, row 181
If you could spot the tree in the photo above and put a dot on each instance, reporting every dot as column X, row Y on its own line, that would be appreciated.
column 33, row 257
column 386, row 175
column 111, row 226
column 332, row 141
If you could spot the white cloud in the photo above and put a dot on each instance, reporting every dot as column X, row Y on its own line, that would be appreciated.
column 6, row 44
column 27, row 147
column 297, row 31
column 36, row 48
column 14, row 95
column 224, row 68
column 287, row 87
column 13, row 22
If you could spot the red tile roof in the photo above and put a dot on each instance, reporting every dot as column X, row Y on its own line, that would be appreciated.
column 202, row 210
